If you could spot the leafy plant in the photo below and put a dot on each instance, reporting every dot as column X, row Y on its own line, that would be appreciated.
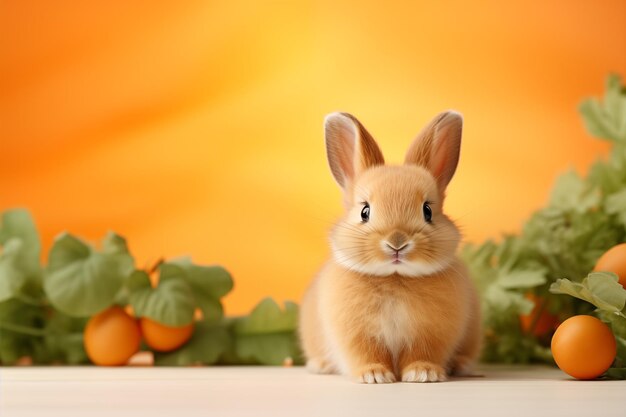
column 43, row 311
column 267, row 335
column 81, row 281
column 20, row 272
column 584, row 218
column 208, row 344
column 170, row 303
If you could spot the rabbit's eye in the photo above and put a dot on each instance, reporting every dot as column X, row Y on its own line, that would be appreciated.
column 428, row 213
column 365, row 213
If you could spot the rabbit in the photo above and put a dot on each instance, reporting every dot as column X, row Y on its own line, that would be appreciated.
column 394, row 303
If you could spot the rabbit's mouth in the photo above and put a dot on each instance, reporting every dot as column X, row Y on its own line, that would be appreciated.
column 396, row 258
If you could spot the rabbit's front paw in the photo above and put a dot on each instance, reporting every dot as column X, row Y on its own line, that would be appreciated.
column 422, row 371
column 375, row 374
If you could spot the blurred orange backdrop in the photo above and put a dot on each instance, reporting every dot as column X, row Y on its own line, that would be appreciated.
column 195, row 127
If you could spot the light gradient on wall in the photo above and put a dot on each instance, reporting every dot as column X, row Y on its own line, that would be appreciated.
column 195, row 127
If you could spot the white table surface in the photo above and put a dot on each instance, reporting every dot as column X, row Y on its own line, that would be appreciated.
column 269, row 391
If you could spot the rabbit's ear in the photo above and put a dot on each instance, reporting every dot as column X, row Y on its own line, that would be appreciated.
column 349, row 147
column 437, row 147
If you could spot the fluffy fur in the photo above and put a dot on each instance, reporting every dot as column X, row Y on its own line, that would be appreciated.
column 394, row 302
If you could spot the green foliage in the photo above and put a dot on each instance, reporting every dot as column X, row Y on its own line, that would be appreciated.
column 601, row 289
column 63, row 341
column 21, row 329
column 182, row 288
column 170, row 303
column 12, row 278
column 616, row 205
column 268, row 335
column 209, row 284
column 18, row 226
column 585, row 217
column 607, row 119
column 19, row 258
column 44, row 319
column 81, row 281
column 207, row 345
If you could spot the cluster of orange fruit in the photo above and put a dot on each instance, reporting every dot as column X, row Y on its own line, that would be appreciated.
column 113, row 336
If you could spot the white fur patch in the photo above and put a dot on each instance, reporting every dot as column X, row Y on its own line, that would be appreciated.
column 377, row 377
column 424, row 374
column 394, row 323
column 387, row 267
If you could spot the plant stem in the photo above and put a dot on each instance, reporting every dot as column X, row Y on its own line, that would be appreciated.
column 26, row 299
column 156, row 266
column 17, row 328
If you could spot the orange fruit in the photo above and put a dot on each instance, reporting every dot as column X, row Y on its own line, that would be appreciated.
column 111, row 337
column 614, row 260
column 544, row 322
column 583, row 347
column 164, row 338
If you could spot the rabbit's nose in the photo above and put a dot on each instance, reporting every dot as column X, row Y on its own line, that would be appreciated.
column 397, row 241
column 398, row 250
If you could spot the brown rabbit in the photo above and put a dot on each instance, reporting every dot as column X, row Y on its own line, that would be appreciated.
column 394, row 302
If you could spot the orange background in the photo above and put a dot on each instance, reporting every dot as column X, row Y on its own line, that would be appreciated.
column 196, row 127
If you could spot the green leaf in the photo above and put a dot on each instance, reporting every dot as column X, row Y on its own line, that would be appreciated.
column 80, row 281
column 12, row 278
column 64, row 340
column 21, row 330
column 214, row 280
column 572, row 193
column 268, row 335
column 208, row 343
column 616, row 204
column 500, row 300
column 209, row 284
column 267, row 317
column 601, row 289
column 268, row 349
column 606, row 291
column 171, row 303
column 607, row 120
column 19, row 256
column 596, row 120
column 114, row 244
column 616, row 373
column 18, row 224
column 522, row 278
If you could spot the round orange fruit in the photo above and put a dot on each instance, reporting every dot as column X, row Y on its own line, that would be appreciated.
column 614, row 260
column 583, row 347
column 111, row 337
column 164, row 338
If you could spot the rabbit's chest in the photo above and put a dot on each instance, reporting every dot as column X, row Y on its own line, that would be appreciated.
column 394, row 325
